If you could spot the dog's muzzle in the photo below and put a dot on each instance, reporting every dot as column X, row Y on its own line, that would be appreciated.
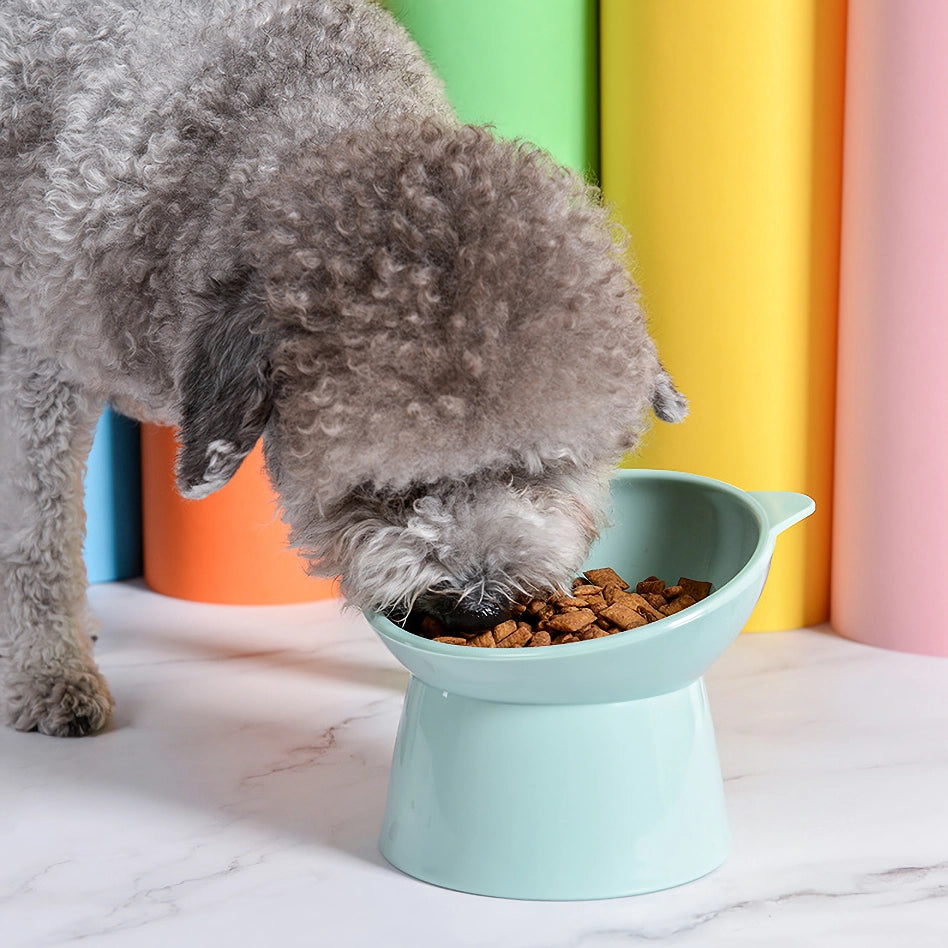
column 465, row 614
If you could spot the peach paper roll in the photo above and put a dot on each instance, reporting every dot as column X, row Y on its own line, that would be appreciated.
column 721, row 149
column 891, row 509
column 230, row 547
column 528, row 67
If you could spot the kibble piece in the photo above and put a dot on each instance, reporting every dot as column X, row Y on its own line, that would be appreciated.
column 504, row 629
column 650, row 585
column 564, row 602
column 586, row 589
column 484, row 640
column 655, row 600
column 540, row 637
column 587, row 632
column 628, row 598
column 642, row 606
column 623, row 615
column 605, row 577
column 564, row 638
column 650, row 613
column 450, row 639
column 613, row 592
column 539, row 608
column 593, row 632
column 695, row 588
column 677, row 604
column 596, row 603
column 669, row 592
column 518, row 638
column 571, row 621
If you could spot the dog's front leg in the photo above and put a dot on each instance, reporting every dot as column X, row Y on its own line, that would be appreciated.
column 49, row 680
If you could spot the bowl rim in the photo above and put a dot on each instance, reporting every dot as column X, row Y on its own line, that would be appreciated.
column 734, row 587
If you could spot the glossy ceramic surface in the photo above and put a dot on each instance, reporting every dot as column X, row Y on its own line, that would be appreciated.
column 663, row 523
column 586, row 770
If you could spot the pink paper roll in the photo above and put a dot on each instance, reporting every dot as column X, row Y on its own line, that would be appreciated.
column 891, row 493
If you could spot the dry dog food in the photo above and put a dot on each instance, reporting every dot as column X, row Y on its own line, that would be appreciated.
column 600, row 603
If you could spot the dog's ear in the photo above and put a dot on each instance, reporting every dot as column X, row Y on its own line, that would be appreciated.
column 226, row 389
column 667, row 402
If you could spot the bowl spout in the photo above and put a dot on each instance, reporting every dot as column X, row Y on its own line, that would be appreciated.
column 783, row 508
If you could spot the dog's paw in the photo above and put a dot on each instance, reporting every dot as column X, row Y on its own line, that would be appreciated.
column 72, row 704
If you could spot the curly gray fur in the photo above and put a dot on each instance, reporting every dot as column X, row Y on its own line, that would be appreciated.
column 260, row 218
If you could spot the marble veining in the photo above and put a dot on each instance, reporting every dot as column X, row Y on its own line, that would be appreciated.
column 237, row 798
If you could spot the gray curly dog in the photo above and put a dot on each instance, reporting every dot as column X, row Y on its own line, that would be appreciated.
column 261, row 218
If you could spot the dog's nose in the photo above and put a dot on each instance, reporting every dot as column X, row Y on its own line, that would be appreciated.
column 468, row 615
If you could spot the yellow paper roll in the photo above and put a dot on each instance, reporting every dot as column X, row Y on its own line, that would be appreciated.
column 721, row 149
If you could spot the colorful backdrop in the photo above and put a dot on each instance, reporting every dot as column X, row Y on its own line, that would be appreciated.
column 781, row 167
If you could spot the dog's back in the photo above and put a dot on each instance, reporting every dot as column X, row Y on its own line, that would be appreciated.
column 122, row 125
column 65, row 64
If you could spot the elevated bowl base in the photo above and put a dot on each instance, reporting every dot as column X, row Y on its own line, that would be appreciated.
column 563, row 802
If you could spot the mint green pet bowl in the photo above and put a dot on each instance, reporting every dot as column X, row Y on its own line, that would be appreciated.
column 587, row 770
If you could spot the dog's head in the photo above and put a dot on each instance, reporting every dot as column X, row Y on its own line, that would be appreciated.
column 437, row 338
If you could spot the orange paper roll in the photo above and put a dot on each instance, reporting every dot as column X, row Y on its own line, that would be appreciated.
column 722, row 150
column 230, row 547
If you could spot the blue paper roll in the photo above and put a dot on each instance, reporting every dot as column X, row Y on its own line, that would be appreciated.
column 113, row 501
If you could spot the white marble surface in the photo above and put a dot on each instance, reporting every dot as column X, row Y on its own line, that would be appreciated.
column 237, row 798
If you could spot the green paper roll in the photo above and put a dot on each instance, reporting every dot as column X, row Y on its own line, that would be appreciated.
column 527, row 67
